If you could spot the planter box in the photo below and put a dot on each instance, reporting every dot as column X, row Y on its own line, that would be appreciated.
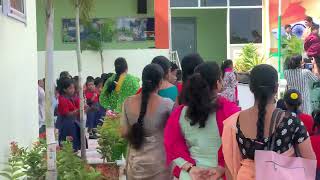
column 244, row 78
column 109, row 171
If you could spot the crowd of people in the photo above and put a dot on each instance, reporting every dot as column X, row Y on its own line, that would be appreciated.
column 186, row 123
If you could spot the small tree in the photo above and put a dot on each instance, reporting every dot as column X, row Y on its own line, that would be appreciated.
column 97, row 37
column 83, row 9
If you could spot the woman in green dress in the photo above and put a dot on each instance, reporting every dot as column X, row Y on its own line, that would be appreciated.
column 118, row 87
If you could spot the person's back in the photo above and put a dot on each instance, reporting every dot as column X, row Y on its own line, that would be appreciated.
column 142, row 123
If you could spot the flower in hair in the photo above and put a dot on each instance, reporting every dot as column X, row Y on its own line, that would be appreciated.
column 294, row 96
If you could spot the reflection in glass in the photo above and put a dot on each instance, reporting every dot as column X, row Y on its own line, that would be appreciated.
column 184, row 3
column 246, row 26
column 245, row 2
column 213, row 2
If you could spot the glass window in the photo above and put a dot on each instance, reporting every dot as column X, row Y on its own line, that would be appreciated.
column 184, row 3
column 17, row 5
column 245, row 2
column 213, row 2
column 245, row 26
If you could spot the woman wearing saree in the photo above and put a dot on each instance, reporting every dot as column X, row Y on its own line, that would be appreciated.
column 118, row 87
column 192, row 133
column 248, row 131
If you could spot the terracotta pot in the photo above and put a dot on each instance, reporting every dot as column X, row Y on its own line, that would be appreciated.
column 109, row 171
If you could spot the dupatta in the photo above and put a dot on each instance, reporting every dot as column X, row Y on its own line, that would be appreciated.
column 174, row 142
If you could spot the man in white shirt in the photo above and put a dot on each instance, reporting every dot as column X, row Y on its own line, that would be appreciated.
column 288, row 30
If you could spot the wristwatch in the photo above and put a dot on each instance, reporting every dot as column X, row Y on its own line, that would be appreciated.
column 189, row 168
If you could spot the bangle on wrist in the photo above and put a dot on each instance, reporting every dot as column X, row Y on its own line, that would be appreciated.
column 189, row 168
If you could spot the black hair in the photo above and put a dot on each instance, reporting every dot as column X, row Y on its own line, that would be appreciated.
column 293, row 100
column 263, row 87
column 164, row 63
column 316, row 117
column 188, row 64
column 309, row 19
column 64, row 74
column 226, row 64
column 97, row 81
column 198, row 93
column 90, row 78
column 151, row 77
column 63, row 83
column 287, row 26
column 174, row 66
column 105, row 77
column 121, row 66
column 76, row 78
column 179, row 75
column 315, row 27
column 281, row 104
column 294, row 62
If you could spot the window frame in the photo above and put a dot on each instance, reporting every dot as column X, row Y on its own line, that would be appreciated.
column 14, row 13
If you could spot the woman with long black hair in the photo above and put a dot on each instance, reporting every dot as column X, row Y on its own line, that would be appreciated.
column 248, row 131
column 143, row 120
column 118, row 87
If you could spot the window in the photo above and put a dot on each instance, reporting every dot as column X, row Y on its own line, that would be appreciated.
column 184, row 3
column 245, row 26
column 245, row 2
column 213, row 2
column 15, row 9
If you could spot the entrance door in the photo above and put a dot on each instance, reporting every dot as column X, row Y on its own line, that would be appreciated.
column 184, row 36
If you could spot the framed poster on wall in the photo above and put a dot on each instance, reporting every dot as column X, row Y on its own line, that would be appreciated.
column 69, row 28
column 135, row 29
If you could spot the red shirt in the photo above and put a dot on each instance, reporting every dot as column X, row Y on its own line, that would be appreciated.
column 90, row 96
column 179, row 86
column 307, row 121
column 315, row 141
column 67, row 105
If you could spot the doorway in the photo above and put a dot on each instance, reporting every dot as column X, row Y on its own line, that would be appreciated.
column 184, row 34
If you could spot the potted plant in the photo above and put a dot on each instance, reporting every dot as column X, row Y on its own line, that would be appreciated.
column 291, row 47
column 111, row 147
column 249, row 58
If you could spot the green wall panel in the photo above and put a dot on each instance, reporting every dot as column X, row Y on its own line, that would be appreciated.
column 102, row 9
column 211, row 31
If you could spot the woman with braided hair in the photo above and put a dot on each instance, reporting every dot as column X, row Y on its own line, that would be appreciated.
column 143, row 120
column 118, row 87
column 248, row 130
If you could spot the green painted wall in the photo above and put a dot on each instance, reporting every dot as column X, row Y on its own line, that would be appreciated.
column 211, row 31
column 102, row 9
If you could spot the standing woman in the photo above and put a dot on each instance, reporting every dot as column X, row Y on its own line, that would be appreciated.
column 229, row 81
column 248, row 131
column 68, row 112
column 143, row 120
column 118, row 87
column 301, row 79
column 192, row 134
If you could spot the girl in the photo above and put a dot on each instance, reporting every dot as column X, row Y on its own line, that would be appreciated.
column 312, row 43
column 92, row 98
column 118, row 87
column 192, row 134
column 68, row 110
column 248, row 130
column 229, row 81
column 143, row 120
column 293, row 101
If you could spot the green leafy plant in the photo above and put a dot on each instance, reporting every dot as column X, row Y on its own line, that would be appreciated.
column 111, row 145
column 291, row 47
column 248, row 59
column 71, row 167
column 14, row 169
column 34, row 161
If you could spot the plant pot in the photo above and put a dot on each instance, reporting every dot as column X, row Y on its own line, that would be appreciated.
column 109, row 171
column 244, row 77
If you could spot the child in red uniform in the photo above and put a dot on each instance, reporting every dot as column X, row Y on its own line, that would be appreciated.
column 293, row 101
column 68, row 111
column 92, row 98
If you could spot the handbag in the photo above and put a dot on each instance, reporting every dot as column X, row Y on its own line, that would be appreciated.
column 271, row 165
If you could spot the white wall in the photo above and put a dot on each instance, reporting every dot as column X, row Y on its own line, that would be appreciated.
column 246, row 98
column 18, row 93
column 67, row 61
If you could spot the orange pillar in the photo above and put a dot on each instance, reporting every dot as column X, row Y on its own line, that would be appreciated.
column 161, row 14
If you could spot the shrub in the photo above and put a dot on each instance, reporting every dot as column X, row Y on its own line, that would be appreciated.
column 248, row 59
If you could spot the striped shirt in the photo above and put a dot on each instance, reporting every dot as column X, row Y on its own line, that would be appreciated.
column 300, row 79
